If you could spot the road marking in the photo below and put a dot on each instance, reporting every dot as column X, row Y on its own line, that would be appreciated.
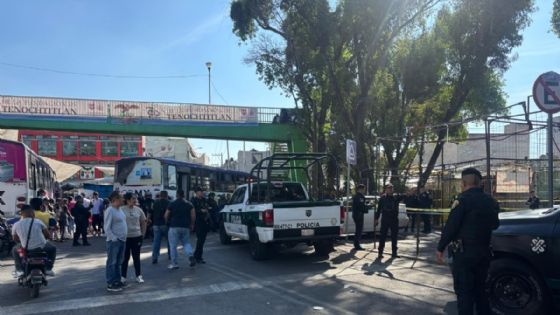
column 278, row 290
column 134, row 297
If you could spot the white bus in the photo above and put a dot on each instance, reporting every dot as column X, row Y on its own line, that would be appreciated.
column 22, row 174
column 147, row 174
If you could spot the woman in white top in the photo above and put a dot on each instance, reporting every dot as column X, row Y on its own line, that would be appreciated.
column 136, row 229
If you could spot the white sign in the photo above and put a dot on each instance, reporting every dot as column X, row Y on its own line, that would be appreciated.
column 127, row 111
column 351, row 152
column 546, row 92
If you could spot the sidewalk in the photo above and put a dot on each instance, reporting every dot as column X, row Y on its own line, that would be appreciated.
column 406, row 244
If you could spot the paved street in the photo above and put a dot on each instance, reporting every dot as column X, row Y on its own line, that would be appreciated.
column 294, row 282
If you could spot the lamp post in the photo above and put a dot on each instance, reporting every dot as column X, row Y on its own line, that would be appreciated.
column 209, row 66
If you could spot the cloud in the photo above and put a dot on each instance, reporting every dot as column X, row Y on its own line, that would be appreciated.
column 196, row 33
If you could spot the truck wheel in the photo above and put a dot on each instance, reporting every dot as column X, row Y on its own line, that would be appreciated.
column 515, row 288
column 324, row 248
column 225, row 239
column 259, row 251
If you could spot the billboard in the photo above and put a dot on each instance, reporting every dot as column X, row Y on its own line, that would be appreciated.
column 12, row 162
column 129, row 111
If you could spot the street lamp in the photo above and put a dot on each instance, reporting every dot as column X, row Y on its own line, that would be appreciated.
column 209, row 66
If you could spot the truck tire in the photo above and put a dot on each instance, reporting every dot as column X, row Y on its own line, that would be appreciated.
column 515, row 288
column 34, row 290
column 225, row 239
column 259, row 251
column 324, row 247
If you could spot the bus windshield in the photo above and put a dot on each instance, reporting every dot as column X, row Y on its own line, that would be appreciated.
column 135, row 172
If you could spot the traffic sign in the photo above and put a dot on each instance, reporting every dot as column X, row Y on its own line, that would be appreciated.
column 351, row 152
column 546, row 92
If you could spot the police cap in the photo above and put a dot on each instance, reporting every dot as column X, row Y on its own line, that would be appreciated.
column 471, row 171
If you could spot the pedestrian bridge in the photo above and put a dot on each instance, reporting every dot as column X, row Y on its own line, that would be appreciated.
column 263, row 124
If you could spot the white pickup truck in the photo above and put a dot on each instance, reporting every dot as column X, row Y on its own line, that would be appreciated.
column 279, row 213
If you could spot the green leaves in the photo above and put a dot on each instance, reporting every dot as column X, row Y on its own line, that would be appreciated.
column 555, row 20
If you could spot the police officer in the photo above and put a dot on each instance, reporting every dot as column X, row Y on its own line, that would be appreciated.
column 202, row 222
column 358, row 209
column 388, row 206
column 467, row 235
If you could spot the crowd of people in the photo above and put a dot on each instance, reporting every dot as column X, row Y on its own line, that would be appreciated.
column 125, row 220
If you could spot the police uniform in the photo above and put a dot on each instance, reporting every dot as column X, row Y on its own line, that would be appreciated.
column 468, row 231
column 201, row 225
column 389, row 207
column 358, row 209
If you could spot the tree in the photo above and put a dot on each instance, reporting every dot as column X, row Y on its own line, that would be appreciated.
column 556, row 17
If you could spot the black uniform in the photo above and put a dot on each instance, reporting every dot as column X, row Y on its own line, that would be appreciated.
column 411, row 201
column 81, row 216
column 358, row 209
column 425, row 202
column 534, row 202
column 473, row 217
column 201, row 225
column 389, row 207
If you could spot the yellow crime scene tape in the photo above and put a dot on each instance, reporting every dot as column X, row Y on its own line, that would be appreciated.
column 448, row 210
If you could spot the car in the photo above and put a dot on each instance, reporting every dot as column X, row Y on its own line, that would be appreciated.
column 349, row 227
column 524, row 274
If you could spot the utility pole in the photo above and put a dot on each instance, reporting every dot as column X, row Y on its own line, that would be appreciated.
column 488, row 177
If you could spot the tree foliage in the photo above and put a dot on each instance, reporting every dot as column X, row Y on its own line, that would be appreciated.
column 381, row 71
column 555, row 21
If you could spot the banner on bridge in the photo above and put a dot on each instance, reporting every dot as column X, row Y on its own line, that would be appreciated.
column 63, row 107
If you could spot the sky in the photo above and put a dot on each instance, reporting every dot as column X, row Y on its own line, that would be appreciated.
column 174, row 38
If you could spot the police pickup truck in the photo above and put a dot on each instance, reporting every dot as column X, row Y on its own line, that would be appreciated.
column 524, row 276
column 273, row 214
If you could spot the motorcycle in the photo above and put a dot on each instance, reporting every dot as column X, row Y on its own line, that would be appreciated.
column 34, row 275
column 6, row 241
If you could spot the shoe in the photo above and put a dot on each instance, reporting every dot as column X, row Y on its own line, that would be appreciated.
column 200, row 261
column 395, row 255
column 140, row 279
column 87, row 244
column 154, row 261
column 114, row 288
column 380, row 256
column 76, row 244
column 192, row 260
column 17, row 273
column 49, row 273
column 123, row 280
column 123, row 285
column 172, row 267
column 358, row 247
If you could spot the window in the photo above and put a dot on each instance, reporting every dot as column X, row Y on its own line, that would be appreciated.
column 238, row 196
column 87, row 146
column 27, row 140
column 70, row 146
column 31, row 176
column 129, row 149
column 109, row 146
column 171, row 177
column 47, row 147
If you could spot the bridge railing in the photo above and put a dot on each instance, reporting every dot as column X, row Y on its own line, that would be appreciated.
column 132, row 112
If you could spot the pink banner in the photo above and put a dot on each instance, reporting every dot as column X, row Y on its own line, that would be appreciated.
column 12, row 162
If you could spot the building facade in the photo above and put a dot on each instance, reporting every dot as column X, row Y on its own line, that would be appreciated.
column 82, row 148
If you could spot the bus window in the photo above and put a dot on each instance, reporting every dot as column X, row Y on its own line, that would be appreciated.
column 32, row 176
column 171, row 177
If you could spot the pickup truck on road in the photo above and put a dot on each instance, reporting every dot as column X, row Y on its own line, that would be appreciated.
column 272, row 214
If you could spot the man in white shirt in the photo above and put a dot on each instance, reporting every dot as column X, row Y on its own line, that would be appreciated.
column 37, row 239
column 86, row 201
column 97, row 214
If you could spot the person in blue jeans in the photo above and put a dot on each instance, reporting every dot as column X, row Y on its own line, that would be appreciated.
column 157, row 217
column 116, row 231
column 180, row 216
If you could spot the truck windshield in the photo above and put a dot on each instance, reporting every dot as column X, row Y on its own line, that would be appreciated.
column 278, row 192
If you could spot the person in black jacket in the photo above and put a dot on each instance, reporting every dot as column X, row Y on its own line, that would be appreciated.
column 358, row 209
column 202, row 223
column 425, row 201
column 388, row 206
column 467, row 235
column 81, row 216
column 156, row 217
column 533, row 202
column 411, row 201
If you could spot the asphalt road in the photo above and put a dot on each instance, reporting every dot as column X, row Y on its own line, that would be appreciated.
column 293, row 282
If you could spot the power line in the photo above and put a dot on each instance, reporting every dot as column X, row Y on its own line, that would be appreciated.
column 219, row 94
column 102, row 75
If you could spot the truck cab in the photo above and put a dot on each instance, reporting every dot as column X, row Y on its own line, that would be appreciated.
column 524, row 275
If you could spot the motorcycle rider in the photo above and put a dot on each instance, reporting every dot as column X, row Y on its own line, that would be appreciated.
column 37, row 239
